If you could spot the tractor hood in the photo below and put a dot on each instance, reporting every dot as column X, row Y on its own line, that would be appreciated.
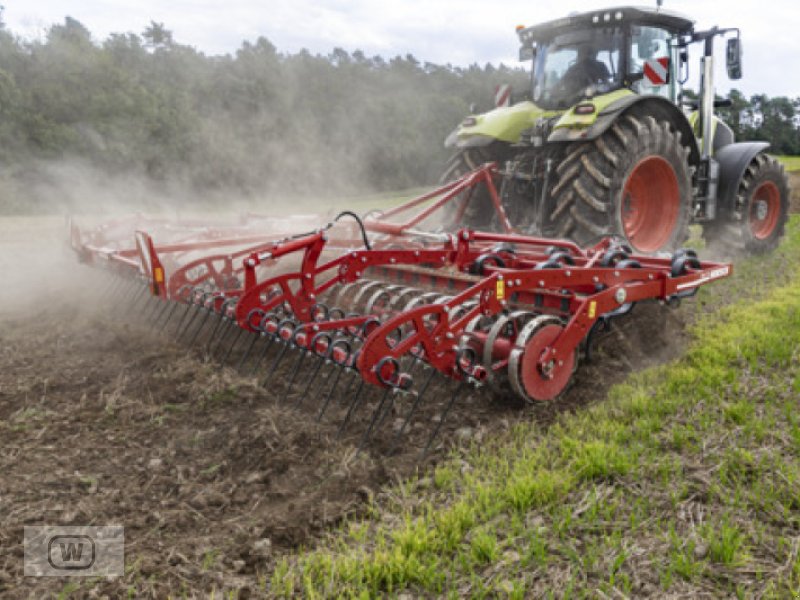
column 507, row 123
column 501, row 124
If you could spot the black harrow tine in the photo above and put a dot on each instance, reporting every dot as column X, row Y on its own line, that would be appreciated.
column 189, row 304
column 202, row 324
column 378, row 412
column 353, row 405
column 271, row 337
column 456, row 392
column 297, row 367
column 314, row 375
column 220, row 322
column 112, row 288
column 256, row 337
column 233, row 345
column 339, row 370
column 123, row 291
column 275, row 363
column 137, row 296
column 182, row 331
column 156, row 306
column 226, row 329
column 168, row 307
column 142, row 298
column 412, row 411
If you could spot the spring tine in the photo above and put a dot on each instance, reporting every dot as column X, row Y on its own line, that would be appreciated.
column 270, row 341
column 412, row 411
column 221, row 321
column 314, row 375
column 256, row 337
column 175, row 304
column 195, row 310
column 226, row 329
column 112, row 288
column 167, row 308
column 329, row 395
column 124, row 290
column 203, row 322
column 233, row 345
column 157, row 307
column 353, row 405
column 142, row 298
column 303, row 354
column 456, row 392
column 275, row 364
column 387, row 395
column 137, row 296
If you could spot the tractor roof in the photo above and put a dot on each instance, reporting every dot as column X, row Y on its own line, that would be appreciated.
column 613, row 15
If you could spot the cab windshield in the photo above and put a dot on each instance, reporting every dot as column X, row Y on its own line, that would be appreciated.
column 575, row 64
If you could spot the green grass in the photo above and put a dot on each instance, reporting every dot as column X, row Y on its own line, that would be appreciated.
column 792, row 163
column 685, row 479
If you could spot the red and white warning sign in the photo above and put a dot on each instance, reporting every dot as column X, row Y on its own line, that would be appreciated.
column 502, row 95
column 656, row 70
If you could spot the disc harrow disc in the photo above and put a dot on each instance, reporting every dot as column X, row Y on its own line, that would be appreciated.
column 528, row 380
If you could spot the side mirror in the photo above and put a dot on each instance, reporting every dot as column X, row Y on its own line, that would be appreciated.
column 734, row 58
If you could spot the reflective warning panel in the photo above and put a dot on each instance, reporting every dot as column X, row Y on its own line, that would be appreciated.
column 656, row 70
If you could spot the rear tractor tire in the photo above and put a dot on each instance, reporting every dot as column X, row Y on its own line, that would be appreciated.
column 634, row 181
column 478, row 207
column 760, row 211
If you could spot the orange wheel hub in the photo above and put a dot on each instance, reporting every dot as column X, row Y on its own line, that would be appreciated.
column 651, row 204
column 765, row 209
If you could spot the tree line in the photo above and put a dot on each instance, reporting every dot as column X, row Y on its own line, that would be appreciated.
column 257, row 120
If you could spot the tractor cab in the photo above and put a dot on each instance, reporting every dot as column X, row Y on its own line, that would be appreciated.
column 589, row 54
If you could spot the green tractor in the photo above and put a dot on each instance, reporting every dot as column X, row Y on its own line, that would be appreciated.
column 607, row 143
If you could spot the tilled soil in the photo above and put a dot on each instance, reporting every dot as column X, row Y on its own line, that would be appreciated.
column 213, row 475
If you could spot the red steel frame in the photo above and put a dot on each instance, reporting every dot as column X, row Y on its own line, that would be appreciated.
column 582, row 286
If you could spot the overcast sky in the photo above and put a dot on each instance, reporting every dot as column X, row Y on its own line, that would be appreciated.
column 439, row 31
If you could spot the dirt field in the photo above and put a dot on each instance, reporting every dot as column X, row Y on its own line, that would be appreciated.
column 106, row 422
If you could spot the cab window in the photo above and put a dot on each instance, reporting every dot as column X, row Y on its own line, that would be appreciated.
column 647, row 43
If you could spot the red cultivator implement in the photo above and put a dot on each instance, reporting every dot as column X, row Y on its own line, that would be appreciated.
column 378, row 304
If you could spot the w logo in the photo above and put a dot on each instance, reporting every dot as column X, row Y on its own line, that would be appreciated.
column 74, row 551
column 71, row 552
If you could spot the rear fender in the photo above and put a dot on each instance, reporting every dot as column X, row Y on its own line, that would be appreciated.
column 658, row 107
column 733, row 160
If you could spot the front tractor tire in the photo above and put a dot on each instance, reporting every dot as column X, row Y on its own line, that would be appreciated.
column 761, row 209
column 634, row 181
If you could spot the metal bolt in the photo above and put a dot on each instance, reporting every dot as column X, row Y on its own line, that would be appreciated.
column 620, row 295
column 568, row 273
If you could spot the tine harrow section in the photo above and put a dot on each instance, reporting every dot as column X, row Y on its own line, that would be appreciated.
column 362, row 321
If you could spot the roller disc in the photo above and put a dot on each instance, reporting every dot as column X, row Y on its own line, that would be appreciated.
column 527, row 379
column 506, row 326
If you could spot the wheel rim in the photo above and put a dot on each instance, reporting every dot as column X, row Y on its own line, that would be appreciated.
column 765, row 208
column 651, row 203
